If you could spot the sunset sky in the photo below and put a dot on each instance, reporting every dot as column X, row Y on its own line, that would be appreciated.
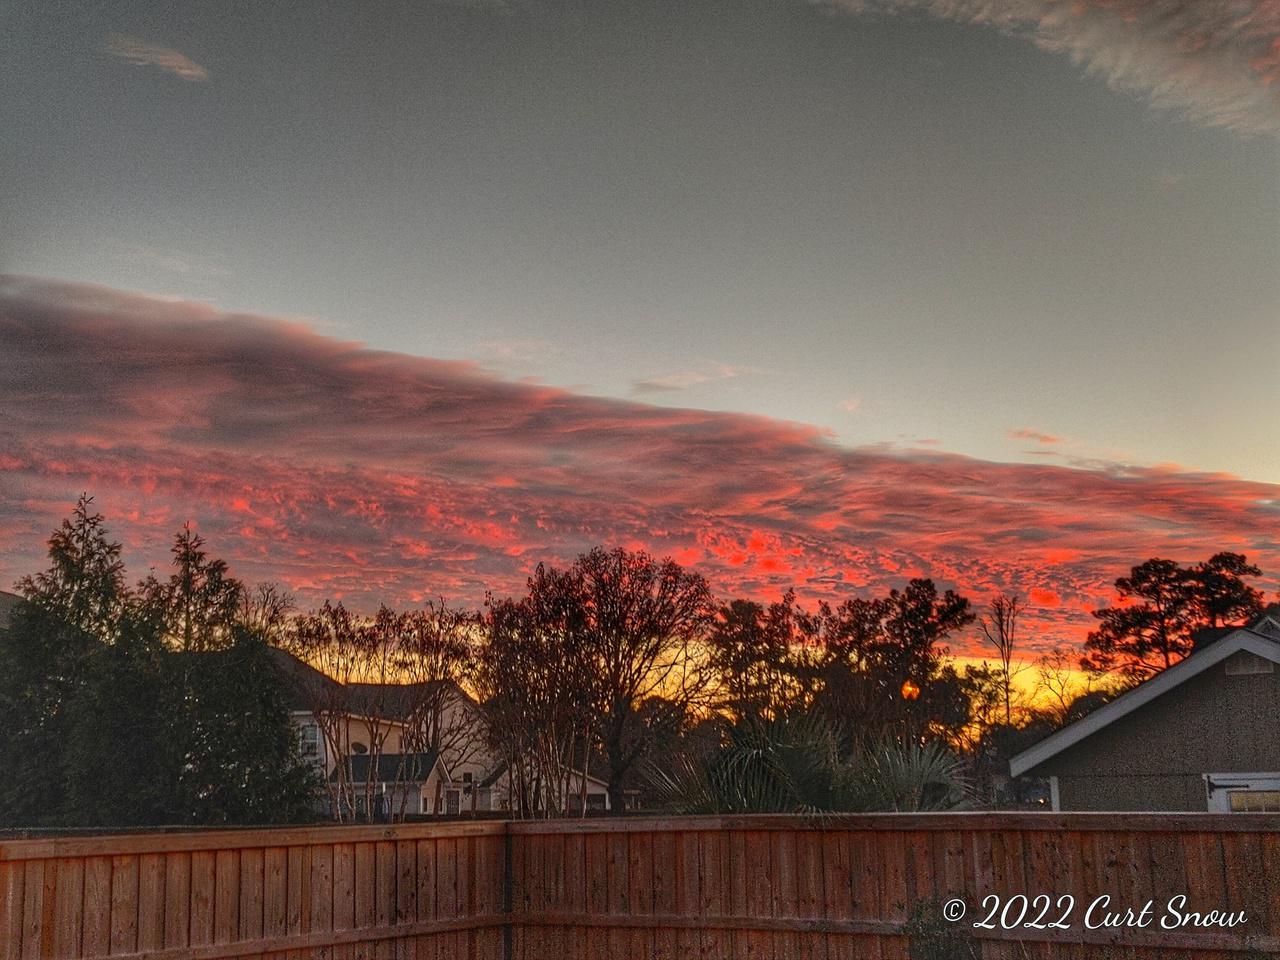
column 393, row 300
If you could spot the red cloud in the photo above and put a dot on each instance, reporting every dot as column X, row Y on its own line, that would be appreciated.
column 372, row 476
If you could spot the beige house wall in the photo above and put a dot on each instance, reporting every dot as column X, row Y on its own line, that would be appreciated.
column 470, row 758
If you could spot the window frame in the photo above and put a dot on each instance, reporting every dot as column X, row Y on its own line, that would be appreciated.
column 1219, row 787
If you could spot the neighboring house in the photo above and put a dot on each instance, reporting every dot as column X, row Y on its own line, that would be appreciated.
column 388, row 719
column 1202, row 735
column 403, row 782
column 579, row 787
column 445, row 770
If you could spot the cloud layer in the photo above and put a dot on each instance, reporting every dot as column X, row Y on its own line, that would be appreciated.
column 144, row 54
column 1216, row 62
column 349, row 472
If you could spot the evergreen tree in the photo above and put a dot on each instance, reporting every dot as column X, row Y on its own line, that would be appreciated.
column 84, row 585
column 239, row 760
column 1162, row 606
column 107, row 725
column 200, row 601
column 119, row 760
column 67, row 612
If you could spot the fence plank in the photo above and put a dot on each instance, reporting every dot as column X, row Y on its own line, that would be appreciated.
column 12, row 878
column 177, row 899
column 275, row 892
column 68, row 910
column 226, row 896
column 124, row 904
column 151, row 896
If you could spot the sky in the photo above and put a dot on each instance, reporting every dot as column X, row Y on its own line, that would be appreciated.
column 395, row 299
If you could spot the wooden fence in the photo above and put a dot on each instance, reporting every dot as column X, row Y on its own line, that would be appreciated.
column 837, row 888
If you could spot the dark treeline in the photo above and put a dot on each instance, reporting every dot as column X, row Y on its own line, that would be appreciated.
column 146, row 705
column 158, row 703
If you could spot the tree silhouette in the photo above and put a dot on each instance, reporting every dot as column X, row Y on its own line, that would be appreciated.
column 1000, row 628
column 1162, row 606
column 84, row 585
column 200, row 602
column 107, row 724
column 749, row 655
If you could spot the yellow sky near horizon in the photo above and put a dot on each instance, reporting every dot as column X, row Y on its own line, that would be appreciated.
column 1026, row 678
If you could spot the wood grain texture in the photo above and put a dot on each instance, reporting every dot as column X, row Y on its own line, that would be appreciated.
column 714, row 888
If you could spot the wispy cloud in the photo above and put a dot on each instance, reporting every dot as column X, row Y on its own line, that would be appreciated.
column 517, row 352
column 369, row 475
column 851, row 405
column 1215, row 62
column 145, row 54
column 1037, row 436
column 170, row 260
column 684, row 379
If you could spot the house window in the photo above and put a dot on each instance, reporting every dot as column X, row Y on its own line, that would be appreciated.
column 452, row 801
column 1243, row 792
column 309, row 740
column 1255, row 801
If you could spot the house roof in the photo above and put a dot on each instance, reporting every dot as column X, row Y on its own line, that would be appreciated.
column 496, row 774
column 1261, row 638
column 392, row 767
column 307, row 685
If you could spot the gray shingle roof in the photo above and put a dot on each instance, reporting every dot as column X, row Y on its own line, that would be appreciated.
column 391, row 700
column 392, row 767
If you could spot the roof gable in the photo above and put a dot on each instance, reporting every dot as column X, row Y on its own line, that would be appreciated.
column 1245, row 638
column 1268, row 626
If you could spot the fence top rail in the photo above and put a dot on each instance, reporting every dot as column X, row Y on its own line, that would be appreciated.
column 224, row 838
column 916, row 822
column 39, row 848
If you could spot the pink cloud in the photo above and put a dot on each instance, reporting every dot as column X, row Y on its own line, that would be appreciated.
column 373, row 476
column 145, row 54
column 1037, row 436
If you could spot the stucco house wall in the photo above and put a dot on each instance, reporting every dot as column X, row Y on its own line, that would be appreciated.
column 1156, row 757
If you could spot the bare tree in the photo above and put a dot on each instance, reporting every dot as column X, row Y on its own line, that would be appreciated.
column 373, row 694
column 330, row 641
column 435, row 655
column 1000, row 627
column 642, row 620
column 265, row 610
column 1061, row 683
column 537, row 694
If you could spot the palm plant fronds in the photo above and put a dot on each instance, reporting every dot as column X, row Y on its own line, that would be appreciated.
column 792, row 765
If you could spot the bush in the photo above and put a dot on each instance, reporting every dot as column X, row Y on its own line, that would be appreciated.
column 793, row 765
column 930, row 937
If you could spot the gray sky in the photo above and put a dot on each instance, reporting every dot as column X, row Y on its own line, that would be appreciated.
column 909, row 229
